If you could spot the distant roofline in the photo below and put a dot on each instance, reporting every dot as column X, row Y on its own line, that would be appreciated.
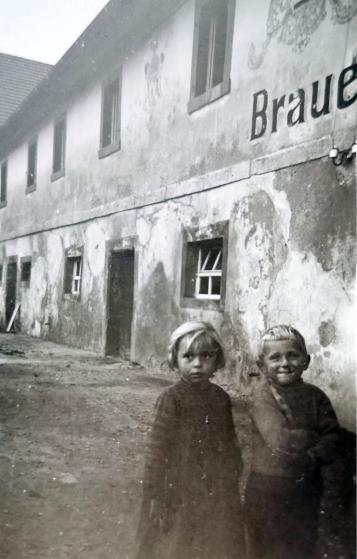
column 103, row 44
column 27, row 59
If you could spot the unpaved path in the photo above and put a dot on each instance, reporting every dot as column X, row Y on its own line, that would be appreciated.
column 72, row 429
column 72, row 440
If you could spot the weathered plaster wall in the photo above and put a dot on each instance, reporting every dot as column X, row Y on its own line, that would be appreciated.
column 288, row 262
column 45, row 312
column 161, row 143
column 291, row 214
column 291, row 249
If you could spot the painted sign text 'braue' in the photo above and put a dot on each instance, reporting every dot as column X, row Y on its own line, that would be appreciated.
column 295, row 104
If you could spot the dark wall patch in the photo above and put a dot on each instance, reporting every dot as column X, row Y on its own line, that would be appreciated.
column 323, row 219
column 159, row 316
column 327, row 333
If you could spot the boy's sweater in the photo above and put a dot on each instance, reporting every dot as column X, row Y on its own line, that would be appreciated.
column 294, row 427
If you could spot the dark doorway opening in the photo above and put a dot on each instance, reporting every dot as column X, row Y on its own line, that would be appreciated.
column 120, row 302
column 10, row 299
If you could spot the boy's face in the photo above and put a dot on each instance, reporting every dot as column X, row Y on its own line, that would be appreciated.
column 195, row 364
column 283, row 361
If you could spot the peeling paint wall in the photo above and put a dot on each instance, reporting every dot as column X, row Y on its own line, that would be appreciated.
column 290, row 212
column 288, row 261
column 161, row 143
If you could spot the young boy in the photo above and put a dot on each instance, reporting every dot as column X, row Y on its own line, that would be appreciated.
column 295, row 432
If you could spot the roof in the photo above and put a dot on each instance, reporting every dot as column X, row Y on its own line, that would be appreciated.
column 114, row 34
column 18, row 77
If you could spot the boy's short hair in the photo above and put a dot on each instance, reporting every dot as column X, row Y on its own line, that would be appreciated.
column 195, row 330
column 283, row 332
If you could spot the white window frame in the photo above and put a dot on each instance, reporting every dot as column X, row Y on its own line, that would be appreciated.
column 111, row 113
column 76, row 275
column 202, row 272
column 59, row 148
column 73, row 268
column 211, row 92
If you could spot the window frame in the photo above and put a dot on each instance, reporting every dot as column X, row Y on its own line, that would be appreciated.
column 214, row 92
column 72, row 254
column 30, row 187
column 60, row 172
column 3, row 197
column 23, row 262
column 210, row 273
column 115, row 144
column 197, row 236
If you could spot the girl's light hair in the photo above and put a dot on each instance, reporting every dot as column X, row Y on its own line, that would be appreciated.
column 195, row 330
column 283, row 332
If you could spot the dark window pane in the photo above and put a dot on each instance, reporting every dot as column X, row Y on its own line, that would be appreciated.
column 3, row 190
column 216, row 286
column 220, row 44
column 110, row 113
column 213, row 253
column 203, row 50
column 211, row 50
column 58, row 155
column 191, row 269
column 203, row 286
column 31, row 169
column 26, row 272
column 68, row 275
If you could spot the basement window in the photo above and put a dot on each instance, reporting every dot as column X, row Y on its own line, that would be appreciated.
column 110, row 117
column 73, row 274
column 3, row 184
column 59, row 147
column 31, row 166
column 204, row 270
column 212, row 51
column 25, row 272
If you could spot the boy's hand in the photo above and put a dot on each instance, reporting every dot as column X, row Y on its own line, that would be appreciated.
column 303, row 439
column 308, row 464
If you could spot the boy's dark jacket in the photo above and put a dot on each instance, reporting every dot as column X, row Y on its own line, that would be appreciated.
column 293, row 427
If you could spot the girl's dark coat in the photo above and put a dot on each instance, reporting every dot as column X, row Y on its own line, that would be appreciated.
column 191, row 506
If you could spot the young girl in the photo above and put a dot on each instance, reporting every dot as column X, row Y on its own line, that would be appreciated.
column 191, row 506
column 295, row 432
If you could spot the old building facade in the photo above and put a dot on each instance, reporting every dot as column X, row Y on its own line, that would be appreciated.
column 175, row 164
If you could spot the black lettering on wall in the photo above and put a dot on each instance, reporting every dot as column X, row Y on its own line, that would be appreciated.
column 277, row 104
column 325, row 109
column 321, row 99
column 259, row 114
column 299, row 108
column 342, row 101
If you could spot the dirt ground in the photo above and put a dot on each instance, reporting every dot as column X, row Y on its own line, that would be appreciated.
column 72, row 441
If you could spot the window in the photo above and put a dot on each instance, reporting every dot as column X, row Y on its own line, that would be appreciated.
column 59, row 144
column 31, row 166
column 73, row 273
column 1, row 269
column 204, row 261
column 3, row 184
column 110, row 120
column 209, row 268
column 212, row 50
column 25, row 272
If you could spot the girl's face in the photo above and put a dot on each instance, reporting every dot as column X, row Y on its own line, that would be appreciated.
column 283, row 361
column 196, row 361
